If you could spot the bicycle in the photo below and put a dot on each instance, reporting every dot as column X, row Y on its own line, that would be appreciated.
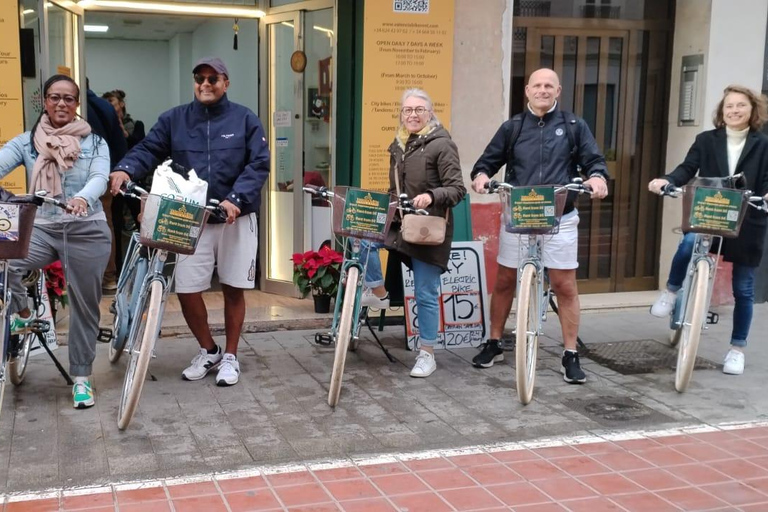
column 169, row 227
column 532, row 212
column 357, row 215
column 17, row 217
column 690, row 311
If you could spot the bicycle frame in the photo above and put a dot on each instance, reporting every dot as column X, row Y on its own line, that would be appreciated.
column 4, row 323
column 542, row 287
column 701, row 246
column 351, row 259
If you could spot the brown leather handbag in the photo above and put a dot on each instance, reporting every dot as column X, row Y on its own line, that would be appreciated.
column 422, row 229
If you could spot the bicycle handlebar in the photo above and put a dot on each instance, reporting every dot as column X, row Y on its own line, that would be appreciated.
column 403, row 202
column 577, row 185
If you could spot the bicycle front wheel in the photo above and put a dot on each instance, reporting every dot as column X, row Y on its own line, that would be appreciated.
column 343, row 335
column 17, row 365
column 693, row 320
column 141, row 347
column 527, row 333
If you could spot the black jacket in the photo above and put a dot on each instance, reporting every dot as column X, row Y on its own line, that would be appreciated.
column 709, row 157
column 542, row 154
column 104, row 122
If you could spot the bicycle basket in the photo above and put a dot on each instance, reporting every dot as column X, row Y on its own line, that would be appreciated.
column 714, row 211
column 362, row 213
column 533, row 210
column 170, row 224
column 16, row 223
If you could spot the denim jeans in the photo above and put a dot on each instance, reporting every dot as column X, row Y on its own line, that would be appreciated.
column 743, row 288
column 426, row 279
column 373, row 275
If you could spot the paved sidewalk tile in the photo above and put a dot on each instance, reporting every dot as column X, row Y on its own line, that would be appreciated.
column 519, row 478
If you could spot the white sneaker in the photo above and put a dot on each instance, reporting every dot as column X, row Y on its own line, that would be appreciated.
column 734, row 362
column 664, row 304
column 372, row 301
column 425, row 365
column 202, row 363
column 229, row 371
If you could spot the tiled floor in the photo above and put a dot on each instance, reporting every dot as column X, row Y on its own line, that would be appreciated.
column 723, row 469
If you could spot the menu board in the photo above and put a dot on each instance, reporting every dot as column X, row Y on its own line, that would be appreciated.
column 532, row 207
column 464, row 315
column 11, row 108
column 178, row 223
column 365, row 212
column 715, row 209
column 406, row 44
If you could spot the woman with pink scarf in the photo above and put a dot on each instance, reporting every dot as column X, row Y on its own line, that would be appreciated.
column 63, row 157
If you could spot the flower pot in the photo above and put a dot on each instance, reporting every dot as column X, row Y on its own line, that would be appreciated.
column 322, row 303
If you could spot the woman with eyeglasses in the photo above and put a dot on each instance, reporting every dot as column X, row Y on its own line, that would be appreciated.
column 64, row 158
column 424, row 165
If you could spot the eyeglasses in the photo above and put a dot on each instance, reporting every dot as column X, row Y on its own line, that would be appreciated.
column 200, row 79
column 69, row 100
column 410, row 110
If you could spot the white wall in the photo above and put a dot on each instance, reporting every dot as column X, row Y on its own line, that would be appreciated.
column 140, row 68
column 732, row 44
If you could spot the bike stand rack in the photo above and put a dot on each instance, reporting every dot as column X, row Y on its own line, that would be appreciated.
column 554, row 308
column 40, row 327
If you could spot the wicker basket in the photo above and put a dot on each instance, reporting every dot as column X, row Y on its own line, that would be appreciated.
column 16, row 223
column 546, row 215
column 171, row 225
column 368, row 218
column 713, row 211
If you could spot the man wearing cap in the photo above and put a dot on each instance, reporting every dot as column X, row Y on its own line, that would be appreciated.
column 224, row 143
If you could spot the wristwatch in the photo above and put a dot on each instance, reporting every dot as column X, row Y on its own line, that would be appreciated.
column 598, row 175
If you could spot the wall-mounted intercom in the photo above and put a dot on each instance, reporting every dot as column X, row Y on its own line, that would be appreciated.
column 690, row 79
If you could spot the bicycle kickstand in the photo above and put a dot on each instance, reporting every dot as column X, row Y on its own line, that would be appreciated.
column 39, row 330
column 382, row 347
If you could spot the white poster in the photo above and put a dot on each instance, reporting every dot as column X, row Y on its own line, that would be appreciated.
column 464, row 317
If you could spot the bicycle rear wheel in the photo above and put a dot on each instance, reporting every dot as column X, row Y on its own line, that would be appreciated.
column 690, row 330
column 527, row 334
column 343, row 335
column 17, row 364
column 141, row 347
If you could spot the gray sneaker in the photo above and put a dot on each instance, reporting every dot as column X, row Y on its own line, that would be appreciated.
column 229, row 371
column 202, row 363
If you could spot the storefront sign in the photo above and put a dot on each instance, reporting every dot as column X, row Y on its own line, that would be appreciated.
column 178, row 223
column 463, row 300
column 715, row 209
column 11, row 108
column 406, row 44
column 532, row 207
column 365, row 212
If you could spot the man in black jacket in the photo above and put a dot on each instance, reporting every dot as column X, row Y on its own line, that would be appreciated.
column 542, row 146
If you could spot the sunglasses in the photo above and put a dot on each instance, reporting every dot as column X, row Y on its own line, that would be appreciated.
column 69, row 100
column 200, row 79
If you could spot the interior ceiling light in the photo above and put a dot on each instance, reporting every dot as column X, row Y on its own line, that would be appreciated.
column 323, row 29
column 27, row 11
column 170, row 8
column 95, row 28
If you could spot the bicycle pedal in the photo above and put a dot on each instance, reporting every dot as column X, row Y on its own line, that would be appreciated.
column 105, row 336
column 324, row 339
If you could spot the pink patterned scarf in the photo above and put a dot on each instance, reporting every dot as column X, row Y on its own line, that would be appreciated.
column 58, row 150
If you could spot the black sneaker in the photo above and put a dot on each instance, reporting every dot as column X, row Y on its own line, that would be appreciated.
column 572, row 372
column 490, row 353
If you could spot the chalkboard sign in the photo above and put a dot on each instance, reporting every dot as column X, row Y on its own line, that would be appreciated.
column 464, row 320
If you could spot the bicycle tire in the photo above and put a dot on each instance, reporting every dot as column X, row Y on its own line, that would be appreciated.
column 17, row 365
column 693, row 320
column 124, row 306
column 343, row 336
column 138, row 364
column 526, row 345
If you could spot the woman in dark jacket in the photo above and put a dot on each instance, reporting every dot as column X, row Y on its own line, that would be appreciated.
column 734, row 146
column 424, row 165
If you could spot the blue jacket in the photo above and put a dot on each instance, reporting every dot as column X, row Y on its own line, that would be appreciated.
column 224, row 143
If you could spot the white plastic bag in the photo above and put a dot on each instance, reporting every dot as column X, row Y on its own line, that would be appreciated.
column 167, row 183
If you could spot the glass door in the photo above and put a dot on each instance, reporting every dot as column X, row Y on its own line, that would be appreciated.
column 299, row 124
column 282, row 98
column 65, row 36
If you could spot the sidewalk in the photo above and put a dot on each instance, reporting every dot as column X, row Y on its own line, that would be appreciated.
column 278, row 413
column 699, row 469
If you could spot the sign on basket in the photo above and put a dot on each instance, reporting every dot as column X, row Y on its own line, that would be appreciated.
column 464, row 318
